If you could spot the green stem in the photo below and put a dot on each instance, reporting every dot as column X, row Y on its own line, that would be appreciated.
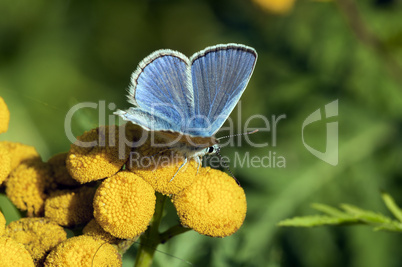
column 150, row 239
column 172, row 232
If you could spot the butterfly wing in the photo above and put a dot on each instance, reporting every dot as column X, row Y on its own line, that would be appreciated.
column 220, row 75
column 192, row 97
column 161, row 91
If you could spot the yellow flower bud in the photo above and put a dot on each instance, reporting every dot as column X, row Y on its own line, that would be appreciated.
column 2, row 224
column 59, row 170
column 38, row 235
column 5, row 163
column 124, row 204
column 87, row 163
column 214, row 205
column 4, row 116
column 70, row 207
column 26, row 186
column 96, row 231
column 83, row 251
column 20, row 153
column 14, row 254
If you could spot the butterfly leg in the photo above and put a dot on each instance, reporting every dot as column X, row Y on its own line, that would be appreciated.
column 199, row 161
column 181, row 166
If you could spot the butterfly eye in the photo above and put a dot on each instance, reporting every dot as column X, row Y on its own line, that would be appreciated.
column 211, row 149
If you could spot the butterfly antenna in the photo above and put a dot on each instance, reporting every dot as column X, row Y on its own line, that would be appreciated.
column 96, row 252
column 223, row 163
column 246, row 133
column 220, row 156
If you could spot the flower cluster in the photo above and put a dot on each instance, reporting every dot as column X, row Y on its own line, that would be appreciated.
column 94, row 190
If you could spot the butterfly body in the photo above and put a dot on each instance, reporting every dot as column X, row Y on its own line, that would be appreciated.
column 186, row 100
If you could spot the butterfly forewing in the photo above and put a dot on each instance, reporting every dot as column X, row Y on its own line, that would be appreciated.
column 219, row 77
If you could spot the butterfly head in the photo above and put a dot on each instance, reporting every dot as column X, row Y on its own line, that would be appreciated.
column 212, row 149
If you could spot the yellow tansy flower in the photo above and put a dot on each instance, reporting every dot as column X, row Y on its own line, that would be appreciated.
column 161, row 178
column 83, row 251
column 20, row 153
column 214, row 205
column 26, row 186
column 158, row 165
column 96, row 231
column 150, row 152
column 5, row 163
column 59, row 170
column 4, row 116
column 275, row 6
column 70, row 207
column 14, row 254
column 103, row 158
column 124, row 204
column 38, row 235
column 2, row 224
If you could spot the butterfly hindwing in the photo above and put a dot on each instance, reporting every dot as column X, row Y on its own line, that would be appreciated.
column 146, row 120
column 161, row 87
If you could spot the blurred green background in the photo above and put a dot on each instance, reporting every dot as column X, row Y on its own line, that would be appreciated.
column 55, row 54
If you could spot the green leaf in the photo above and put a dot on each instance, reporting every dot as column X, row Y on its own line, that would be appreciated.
column 353, row 215
column 316, row 220
column 366, row 215
column 329, row 210
column 393, row 226
column 392, row 206
column 10, row 212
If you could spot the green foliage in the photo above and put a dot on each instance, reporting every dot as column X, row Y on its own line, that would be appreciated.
column 350, row 215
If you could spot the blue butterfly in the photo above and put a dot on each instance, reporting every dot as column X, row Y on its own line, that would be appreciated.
column 188, row 100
